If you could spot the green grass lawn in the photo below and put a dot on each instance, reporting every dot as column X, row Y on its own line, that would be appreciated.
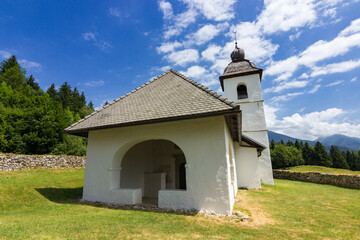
column 39, row 204
column 320, row 169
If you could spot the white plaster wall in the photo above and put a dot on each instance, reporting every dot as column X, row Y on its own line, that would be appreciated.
column 253, row 118
column 247, row 164
column 231, row 164
column 252, row 83
column 265, row 169
column 204, row 147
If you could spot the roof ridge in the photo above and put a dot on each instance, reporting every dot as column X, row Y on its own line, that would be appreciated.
column 116, row 100
column 205, row 89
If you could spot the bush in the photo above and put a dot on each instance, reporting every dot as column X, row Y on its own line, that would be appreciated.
column 286, row 156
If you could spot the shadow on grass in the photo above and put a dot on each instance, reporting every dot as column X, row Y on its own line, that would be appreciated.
column 73, row 196
column 61, row 195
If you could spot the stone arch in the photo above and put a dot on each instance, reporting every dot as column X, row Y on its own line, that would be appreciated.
column 144, row 160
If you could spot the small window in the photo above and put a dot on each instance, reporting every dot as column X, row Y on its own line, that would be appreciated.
column 242, row 92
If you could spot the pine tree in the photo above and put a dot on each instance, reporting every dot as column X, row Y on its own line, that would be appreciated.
column 297, row 144
column 338, row 159
column 272, row 144
column 282, row 142
column 8, row 64
column 52, row 92
column 351, row 160
column 32, row 83
column 91, row 105
column 65, row 95
column 308, row 154
column 321, row 156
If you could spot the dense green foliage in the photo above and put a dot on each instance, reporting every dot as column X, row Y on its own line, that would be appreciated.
column 41, row 204
column 284, row 155
column 31, row 120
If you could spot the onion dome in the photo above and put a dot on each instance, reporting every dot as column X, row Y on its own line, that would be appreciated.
column 239, row 66
column 238, row 54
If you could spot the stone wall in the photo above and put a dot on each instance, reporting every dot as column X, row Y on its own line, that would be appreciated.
column 13, row 162
column 347, row 181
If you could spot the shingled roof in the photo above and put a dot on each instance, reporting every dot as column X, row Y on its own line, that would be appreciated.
column 168, row 97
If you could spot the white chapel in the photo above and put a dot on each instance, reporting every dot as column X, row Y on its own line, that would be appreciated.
column 176, row 142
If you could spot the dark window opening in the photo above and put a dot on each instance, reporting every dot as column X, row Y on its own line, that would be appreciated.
column 242, row 92
column 182, row 176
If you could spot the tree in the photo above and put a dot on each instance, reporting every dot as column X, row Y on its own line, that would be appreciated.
column 298, row 145
column 8, row 64
column 91, row 105
column 52, row 92
column 285, row 156
column 282, row 142
column 338, row 159
column 351, row 160
column 321, row 157
column 272, row 144
column 308, row 154
column 65, row 95
column 289, row 143
column 31, row 82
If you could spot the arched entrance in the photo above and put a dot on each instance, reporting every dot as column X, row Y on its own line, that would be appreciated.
column 153, row 165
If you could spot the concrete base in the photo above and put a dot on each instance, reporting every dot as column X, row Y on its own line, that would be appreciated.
column 127, row 196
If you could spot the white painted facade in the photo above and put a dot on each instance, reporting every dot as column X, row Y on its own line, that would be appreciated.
column 253, row 126
column 115, row 172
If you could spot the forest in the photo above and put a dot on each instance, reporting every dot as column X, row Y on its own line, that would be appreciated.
column 32, row 120
column 294, row 154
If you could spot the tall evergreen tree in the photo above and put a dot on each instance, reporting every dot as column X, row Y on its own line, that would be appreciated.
column 32, row 83
column 52, row 92
column 282, row 142
column 91, row 105
column 351, row 160
column 308, row 154
column 321, row 156
column 272, row 144
column 297, row 144
column 8, row 64
column 338, row 159
column 65, row 95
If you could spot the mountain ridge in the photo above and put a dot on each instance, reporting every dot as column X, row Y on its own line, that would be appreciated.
column 343, row 142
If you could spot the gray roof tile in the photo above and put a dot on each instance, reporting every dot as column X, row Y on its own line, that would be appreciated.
column 169, row 96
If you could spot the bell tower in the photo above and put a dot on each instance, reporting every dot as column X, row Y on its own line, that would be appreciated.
column 241, row 83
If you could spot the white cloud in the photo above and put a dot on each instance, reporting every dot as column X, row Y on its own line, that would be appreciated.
column 89, row 36
column 114, row 12
column 168, row 47
column 180, row 21
column 286, row 85
column 30, row 64
column 353, row 79
column 335, row 83
column 195, row 72
column 304, row 76
column 5, row 54
column 336, row 68
column 166, row 9
column 211, row 53
column 283, row 15
column 103, row 45
column 318, row 51
column 315, row 88
column 205, row 34
column 354, row 27
column 295, row 36
column 181, row 58
column 312, row 125
column 218, row 10
column 331, row 12
column 285, row 97
column 95, row 83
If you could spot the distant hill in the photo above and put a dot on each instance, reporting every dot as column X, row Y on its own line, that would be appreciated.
column 341, row 141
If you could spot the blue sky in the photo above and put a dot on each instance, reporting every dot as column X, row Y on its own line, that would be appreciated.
column 309, row 51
